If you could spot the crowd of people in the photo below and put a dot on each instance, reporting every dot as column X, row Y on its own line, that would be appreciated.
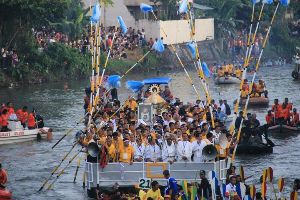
column 31, row 120
column 258, row 89
column 180, row 132
column 9, row 58
column 283, row 114
column 227, row 70
column 295, row 28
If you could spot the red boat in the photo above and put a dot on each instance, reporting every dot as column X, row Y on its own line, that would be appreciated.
column 5, row 194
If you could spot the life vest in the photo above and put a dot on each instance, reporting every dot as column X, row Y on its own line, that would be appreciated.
column 3, row 177
column 295, row 118
column 4, row 120
column 10, row 111
column 269, row 118
column 277, row 110
column 31, row 121
column 22, row 116
column 285, row 113
column 289, row 106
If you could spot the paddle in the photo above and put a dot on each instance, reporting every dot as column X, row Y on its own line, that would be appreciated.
column 68, row 132
column 147, row 8
column 56, row 168
column 77, row 168
column 62, row 171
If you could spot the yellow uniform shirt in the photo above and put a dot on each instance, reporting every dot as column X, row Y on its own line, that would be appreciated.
column 154, row 195
column 126, row 154
column 132, row 105
column 112, row 152
column 238, row 73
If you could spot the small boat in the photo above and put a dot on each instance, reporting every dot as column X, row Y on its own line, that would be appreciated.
column 18, row 134
column 5, row 194
column 227, row 80
column 255, row 102
column 284, row 130
column 260, row 148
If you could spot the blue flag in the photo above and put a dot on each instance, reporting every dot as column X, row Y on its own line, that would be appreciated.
column 205, row 69
column 122, row 25
column 146, row 8
column 113, row 81
column 285, row 2
column 159, row 46
column 267, row 1
column 134, row 86
column 255, row 1
column 192, row 47
column 183, row 7
column 96, row 14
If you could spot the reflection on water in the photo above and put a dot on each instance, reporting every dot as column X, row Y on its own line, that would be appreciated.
column 29, row 163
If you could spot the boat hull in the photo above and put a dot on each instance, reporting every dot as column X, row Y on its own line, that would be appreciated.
column 255, row 102
column 5, row 194
column 227, row 80
column 22, row 135
column 254, row 149
column 283, row 130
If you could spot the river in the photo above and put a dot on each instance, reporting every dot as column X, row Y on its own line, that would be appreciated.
column 28, row 164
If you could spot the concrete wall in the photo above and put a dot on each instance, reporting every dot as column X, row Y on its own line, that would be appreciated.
column 178, row 31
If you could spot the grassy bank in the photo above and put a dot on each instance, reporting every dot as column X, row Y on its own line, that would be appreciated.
column 60, row 62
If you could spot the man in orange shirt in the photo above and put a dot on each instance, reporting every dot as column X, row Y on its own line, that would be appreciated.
column 3, row 177
column 10, row 108
column 4, row 121
column 295, row 118
column 31, row 120
column 22, row 115
column 270, row 118
column 285, row 114
column 276, row 108
column 288, row 105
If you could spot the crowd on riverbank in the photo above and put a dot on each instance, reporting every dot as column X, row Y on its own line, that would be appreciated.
column 9, row 58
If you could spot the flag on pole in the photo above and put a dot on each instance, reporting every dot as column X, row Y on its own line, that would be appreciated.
column 205, row 69
column 122, row 25
column 96, row 14
column 192, row 48
column 280, row 184
column 159, row 46
column 183, row 7
column 184, row 186
column 146, row 8
column 285, row 2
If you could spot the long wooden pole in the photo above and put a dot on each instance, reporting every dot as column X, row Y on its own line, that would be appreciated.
column 253, row 78
column 180, row 61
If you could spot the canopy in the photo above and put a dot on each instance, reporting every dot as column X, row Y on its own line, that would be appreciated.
column 157, row 80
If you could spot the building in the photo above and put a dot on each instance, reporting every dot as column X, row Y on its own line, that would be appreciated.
column 178, row 31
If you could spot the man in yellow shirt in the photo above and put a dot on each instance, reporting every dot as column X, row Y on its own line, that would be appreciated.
column 154, row 192
column 131, row 103
column 126, row 152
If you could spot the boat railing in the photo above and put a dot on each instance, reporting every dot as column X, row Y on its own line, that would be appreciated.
column 125, row 174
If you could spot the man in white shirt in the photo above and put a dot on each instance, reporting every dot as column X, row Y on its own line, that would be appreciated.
column 168, row 150
column 152, row 151
column 198, row 146
column 139, row 150
column 184, row 149
column 231, row 189
column 222, row 105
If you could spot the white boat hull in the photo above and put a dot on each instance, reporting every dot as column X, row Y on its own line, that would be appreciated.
column 227, row 80
column 22, row 135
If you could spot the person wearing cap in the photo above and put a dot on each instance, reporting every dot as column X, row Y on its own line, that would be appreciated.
column 154, row 192
column 126, row 152
column 153, row 151
column 139, row 150
column 184, row 149
column 172, row 188
column 168, row 150
column 204, row 188
column 3, row 177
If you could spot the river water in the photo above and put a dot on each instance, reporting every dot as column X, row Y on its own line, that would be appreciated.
column 28, row 164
